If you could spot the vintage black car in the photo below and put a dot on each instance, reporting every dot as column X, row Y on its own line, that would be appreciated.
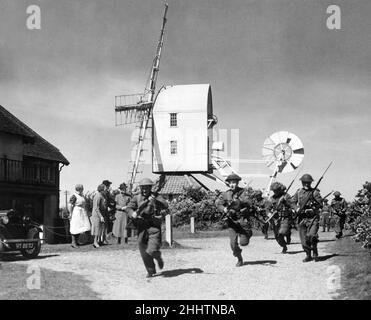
column 19, row 233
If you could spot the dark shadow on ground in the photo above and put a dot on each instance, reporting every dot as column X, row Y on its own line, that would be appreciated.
column 268, row 262
column 292, row 243
column 329, row 240
column 294, row 252
column 12, row 257
column 178, row 272
column 329, row 256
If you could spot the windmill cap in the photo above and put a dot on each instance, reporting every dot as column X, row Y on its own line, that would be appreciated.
column 233, row 176
column 146, row 182
column 306, row 178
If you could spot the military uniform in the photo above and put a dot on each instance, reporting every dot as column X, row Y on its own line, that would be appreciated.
column 280, row 205
column 238, row 222
column 148, row 225
column 339, row 208
column 309, row 219
column 326, row 217
column 259, row 204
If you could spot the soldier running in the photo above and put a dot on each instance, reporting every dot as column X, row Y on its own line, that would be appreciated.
column 232, row 204
column 259, row 203
column 281, row 207
column 339, row 207
column 145, row 210
column 309, row 219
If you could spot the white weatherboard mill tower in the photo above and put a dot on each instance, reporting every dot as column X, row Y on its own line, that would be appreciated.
column 182, row 130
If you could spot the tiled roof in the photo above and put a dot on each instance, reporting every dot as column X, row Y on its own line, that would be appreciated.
column 39, row 148
column 11, row 124
column 176, row 184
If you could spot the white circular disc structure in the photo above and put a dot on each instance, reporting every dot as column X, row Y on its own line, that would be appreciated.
column 283, row 151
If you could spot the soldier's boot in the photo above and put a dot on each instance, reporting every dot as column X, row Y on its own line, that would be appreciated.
column 308, row 257
column 119, row 240
column 284, row 250
column 150, row 274
column 157, row 256
column 126, row 240
column 315, row 253
column 240, row 260
column 160, row 262
column 266, row 237
column 339, row 235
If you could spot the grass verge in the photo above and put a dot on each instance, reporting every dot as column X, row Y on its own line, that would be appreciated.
column 355, row 264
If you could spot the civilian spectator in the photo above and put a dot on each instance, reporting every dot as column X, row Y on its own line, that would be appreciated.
column 79, row 220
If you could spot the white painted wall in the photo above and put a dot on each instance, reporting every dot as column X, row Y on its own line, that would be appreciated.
column 190, row 102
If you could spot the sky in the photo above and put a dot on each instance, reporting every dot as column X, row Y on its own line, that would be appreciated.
column 273, row 65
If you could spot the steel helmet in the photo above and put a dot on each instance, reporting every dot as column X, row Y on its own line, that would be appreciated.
column 277, row 186
column 306, row 178
column 233, row 176
column 337, row 194
column 258, row 192
column 146, row 182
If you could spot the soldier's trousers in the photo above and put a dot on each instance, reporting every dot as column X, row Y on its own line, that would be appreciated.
column 239, row 230
column 326, row 222
column 282, row 229
column 265, row 229
column 339, row 224
column 308, row 232
column 149, row 242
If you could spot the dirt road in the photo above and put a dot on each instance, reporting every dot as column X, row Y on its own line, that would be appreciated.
column 202, row 269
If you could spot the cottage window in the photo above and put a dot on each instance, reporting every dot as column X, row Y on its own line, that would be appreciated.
column 173, row 120
column 173, row 147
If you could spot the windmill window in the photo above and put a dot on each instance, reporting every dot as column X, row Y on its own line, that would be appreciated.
column 173, row 147
column 173, row 120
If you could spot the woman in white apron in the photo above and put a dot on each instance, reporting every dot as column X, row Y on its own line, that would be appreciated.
column 79, row 220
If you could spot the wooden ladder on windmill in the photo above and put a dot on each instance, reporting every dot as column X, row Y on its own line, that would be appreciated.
column 137, row 108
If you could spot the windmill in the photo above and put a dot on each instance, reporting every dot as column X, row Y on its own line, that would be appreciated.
column 137, row 108
column 282, row 152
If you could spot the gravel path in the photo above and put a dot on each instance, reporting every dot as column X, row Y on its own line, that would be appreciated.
column 204, row 269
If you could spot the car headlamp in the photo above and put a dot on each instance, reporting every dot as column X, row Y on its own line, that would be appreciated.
column 5, row 220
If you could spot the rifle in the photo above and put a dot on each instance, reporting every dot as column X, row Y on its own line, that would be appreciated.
column 282, row 197
column 160, row 183
column 310, row 195
column 226, row 216
column 327, row 195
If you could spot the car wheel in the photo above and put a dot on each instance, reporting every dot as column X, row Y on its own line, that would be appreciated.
column 32, row 253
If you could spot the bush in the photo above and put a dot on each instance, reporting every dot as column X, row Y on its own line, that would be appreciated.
column 199, row 204
column 359, row 216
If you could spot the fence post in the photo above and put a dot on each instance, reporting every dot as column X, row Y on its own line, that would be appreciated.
column 169, row 229
column 42, row 233
column 192, row 224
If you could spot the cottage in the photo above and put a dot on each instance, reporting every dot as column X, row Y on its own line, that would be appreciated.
column 29, row 172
